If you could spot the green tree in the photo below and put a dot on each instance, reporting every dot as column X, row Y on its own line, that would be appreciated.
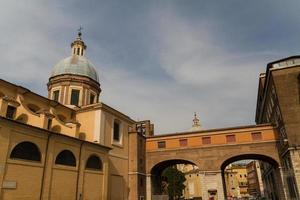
column 175, row 179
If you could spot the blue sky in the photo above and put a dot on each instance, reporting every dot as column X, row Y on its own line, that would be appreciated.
column 161, row 60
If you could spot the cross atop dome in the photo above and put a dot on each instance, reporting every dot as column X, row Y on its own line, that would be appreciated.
column 78, row 46
column 79, row 31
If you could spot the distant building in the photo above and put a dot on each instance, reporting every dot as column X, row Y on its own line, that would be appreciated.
column 192, row 183
column 196, row 124
column 236, row 181
column 255, row 184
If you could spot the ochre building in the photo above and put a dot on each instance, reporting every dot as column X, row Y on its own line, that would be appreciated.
column 71, row 145
column 236, row 181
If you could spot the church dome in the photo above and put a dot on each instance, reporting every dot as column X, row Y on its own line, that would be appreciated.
column 77, row 65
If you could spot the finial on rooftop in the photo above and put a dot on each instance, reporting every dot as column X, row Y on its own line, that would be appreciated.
column 78, row 46
column 79, row 31
column 196, row 121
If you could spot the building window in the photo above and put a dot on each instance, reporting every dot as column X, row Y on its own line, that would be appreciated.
column 49, row 124
column 183, row 142
column 161, row 144
column 66, row 157
column 75, row 97
column 256, row 136
column 10, row 112
column 230, row 138
column 94, row 162
column 141, row 182
column 55, row 95
column 26, row 151
column 206, row 140
column 92, row 98
column 117, row 131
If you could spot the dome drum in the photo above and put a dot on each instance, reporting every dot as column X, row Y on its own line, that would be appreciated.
column 74, row 80
column 70, row 79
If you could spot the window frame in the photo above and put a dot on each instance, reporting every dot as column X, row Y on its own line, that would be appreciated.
column 94, row 168
column 10, row 115
column 161, row 142
column 14, row 152
column 183, row 142
column 208, row 138
column 54, row 95
column 71, row 95
column 57, row 162
column 228, row 138
column 49, row 123
column 59, row 88
column 94, row 99
column 258, row 136
column 118, row 142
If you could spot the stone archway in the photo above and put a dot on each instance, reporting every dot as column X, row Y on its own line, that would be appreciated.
column 274, row 162
column 211, row 155
column 154, row 178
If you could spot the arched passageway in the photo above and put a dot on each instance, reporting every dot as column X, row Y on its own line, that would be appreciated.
column 237, row 183
column 212, row 156
column 159, row 182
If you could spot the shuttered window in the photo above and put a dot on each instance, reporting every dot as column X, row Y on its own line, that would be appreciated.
column 161, row 144
column 256, row 136
column 183, row 142
column 230, row 138
column 206, row 140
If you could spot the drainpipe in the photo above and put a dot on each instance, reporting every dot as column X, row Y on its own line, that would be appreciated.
column 78, row 173
column 45, row 164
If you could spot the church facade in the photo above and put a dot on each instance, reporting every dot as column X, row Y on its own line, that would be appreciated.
column 70, row 145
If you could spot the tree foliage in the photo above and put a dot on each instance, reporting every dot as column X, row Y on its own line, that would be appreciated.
column 175, row 179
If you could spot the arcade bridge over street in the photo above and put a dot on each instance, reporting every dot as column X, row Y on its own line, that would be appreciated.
column 211, row 151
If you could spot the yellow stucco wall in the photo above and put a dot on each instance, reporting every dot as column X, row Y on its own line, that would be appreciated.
column 236, row 181
column 45, row 178
column 243, row 135
column 93, row 123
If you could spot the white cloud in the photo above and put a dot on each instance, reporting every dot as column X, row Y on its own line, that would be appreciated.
column 206, row 77
column 27, row 42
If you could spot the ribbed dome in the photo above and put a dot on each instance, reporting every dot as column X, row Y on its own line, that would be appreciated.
column 78, row 65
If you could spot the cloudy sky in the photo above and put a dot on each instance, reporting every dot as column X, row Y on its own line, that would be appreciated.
column 161, row 60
